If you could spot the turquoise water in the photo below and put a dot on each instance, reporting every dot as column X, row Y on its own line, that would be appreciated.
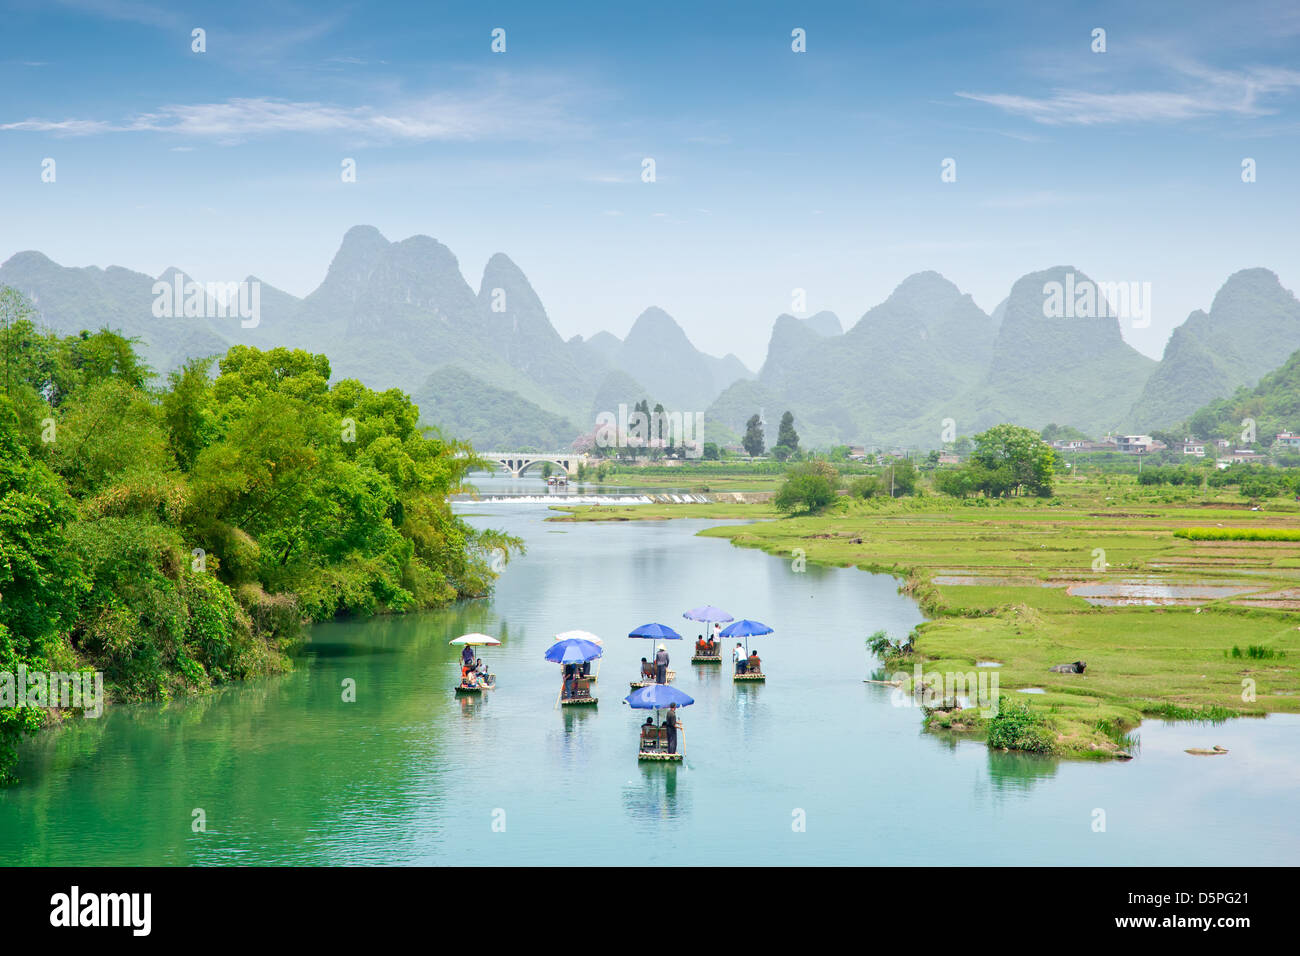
column 286, row 772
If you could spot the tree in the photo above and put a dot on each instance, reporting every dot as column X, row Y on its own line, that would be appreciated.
column 809, row 487
column 39, row 577
column 710, row 451
column 753, row 440
column 867, row 486
column 14, row 309
column 900, row 478
column 786, row 435
column 1010, row 460
column 957, row 482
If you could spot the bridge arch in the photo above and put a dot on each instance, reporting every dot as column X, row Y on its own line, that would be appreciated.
column 516, row 463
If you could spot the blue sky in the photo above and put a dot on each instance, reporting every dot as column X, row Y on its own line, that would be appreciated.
column 775, row 170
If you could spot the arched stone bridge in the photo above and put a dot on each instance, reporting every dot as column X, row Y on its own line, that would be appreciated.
column 517, row 462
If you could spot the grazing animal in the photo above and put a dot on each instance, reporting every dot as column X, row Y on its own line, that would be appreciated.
column 1075, row 668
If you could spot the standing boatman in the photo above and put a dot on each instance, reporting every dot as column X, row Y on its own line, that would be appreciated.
column 738, row 655
column 661, row 665
column 671, row 725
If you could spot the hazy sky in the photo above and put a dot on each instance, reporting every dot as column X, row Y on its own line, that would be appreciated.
column 775, row 170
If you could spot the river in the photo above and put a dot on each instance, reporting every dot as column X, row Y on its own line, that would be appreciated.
column 813, row 767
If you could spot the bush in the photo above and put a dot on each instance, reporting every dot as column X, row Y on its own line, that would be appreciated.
column 807, row 487
column 868, row 486
column 1016, row 727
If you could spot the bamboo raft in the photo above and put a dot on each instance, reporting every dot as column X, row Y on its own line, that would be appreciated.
column 656, row 755
column 761, row 677
column 707, row 659
column 577, row 700
column 670, row 677
column 478, row 688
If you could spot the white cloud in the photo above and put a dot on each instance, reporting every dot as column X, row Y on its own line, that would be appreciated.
column 498, row 114
column 1209, row 93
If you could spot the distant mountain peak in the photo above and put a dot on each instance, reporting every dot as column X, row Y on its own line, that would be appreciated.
column 29, row 258
column 363, row 235
column 928, row 282
column 502, row 273
column 654, row 318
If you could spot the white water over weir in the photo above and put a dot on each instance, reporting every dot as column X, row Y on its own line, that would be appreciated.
column 578, row 499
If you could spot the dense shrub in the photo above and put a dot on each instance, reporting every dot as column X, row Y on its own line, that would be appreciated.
column 1016, row 727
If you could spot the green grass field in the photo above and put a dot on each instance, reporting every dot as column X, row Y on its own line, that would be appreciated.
column 995, row 579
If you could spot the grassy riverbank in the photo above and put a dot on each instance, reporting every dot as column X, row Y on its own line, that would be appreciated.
column 1003, row 581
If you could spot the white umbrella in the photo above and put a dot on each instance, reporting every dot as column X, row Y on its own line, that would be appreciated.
column 579, row 636
column 475, row 640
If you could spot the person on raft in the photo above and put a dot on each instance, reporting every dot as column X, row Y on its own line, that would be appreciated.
column 738, row 655
column 755, row 665
column 671, row 724
column 661, row 665
column 647, row 670
column 701, row 645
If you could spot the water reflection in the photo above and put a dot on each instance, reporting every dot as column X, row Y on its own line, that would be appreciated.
column 1019, row 772
column 653, row 796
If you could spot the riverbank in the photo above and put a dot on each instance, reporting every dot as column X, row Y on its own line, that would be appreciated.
column 1018, row 583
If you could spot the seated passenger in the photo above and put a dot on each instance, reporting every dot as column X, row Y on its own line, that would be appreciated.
column 755, row 665
column 647, row 670
column 711, row 647
column 701, row 647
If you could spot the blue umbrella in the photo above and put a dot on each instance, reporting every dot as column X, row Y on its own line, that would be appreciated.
column 657, row 697
column 746, row 629
column 708, row 613
column 573, row 651
column 660, row 632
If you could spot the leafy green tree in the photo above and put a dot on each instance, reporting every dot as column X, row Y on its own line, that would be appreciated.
column 176, row 538
column 957, row 482
column 809, row 486
column 1011, row 460
column 710, row 451
column 867, row 486
column 188, row 413
column 39, row 577
column 753, row 440
column 900, row 477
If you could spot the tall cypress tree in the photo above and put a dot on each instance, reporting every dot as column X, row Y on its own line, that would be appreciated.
column 786, row 435
column 753, row 437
